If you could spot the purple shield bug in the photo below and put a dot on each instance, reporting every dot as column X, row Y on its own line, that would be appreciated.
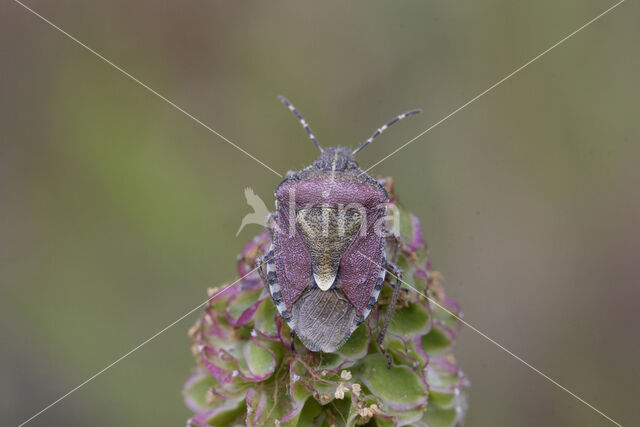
column 327, row 262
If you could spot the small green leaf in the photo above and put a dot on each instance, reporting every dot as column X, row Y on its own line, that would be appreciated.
column 329, row 361
column 435, row 340
column 259, row 361
column 243, row 301
column 312, row 409
column 441, row 398
column 357, row 345
column 264, row 320
column 197, row 390
column 406, row 227
column 404, row 418
column 410, row 320
column 440, row 417
column 398, row 386
column 228, row 413
column 439, row 377
column 300, row 393
column 446, row 317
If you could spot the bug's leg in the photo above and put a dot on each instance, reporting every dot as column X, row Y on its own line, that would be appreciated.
column 293, row 340
column 393, row 238
column 387, row 184
column 262, row 259
column 259, row 265
column 271, row 217
column 397, row 273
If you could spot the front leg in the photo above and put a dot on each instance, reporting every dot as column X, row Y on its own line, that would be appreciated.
column 271, row 218
column 393, row 239
column 260, row 261
column 293, row 340
column 397, row 273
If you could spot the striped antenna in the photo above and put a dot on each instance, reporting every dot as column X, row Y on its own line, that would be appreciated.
column 302, row 121
column 384, row 127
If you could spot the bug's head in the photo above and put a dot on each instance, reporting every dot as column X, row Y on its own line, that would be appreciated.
column 340, row 154
column 335, row 159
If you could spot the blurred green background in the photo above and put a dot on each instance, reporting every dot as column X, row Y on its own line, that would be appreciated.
column 117, row 211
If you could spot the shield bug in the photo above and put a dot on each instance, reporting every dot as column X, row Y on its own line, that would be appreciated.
column 327, row 261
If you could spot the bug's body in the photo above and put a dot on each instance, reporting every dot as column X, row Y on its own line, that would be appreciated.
column 319, row 275
column 327, row 264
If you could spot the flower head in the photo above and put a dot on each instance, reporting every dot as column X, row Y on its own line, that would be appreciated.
column 246, row 372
